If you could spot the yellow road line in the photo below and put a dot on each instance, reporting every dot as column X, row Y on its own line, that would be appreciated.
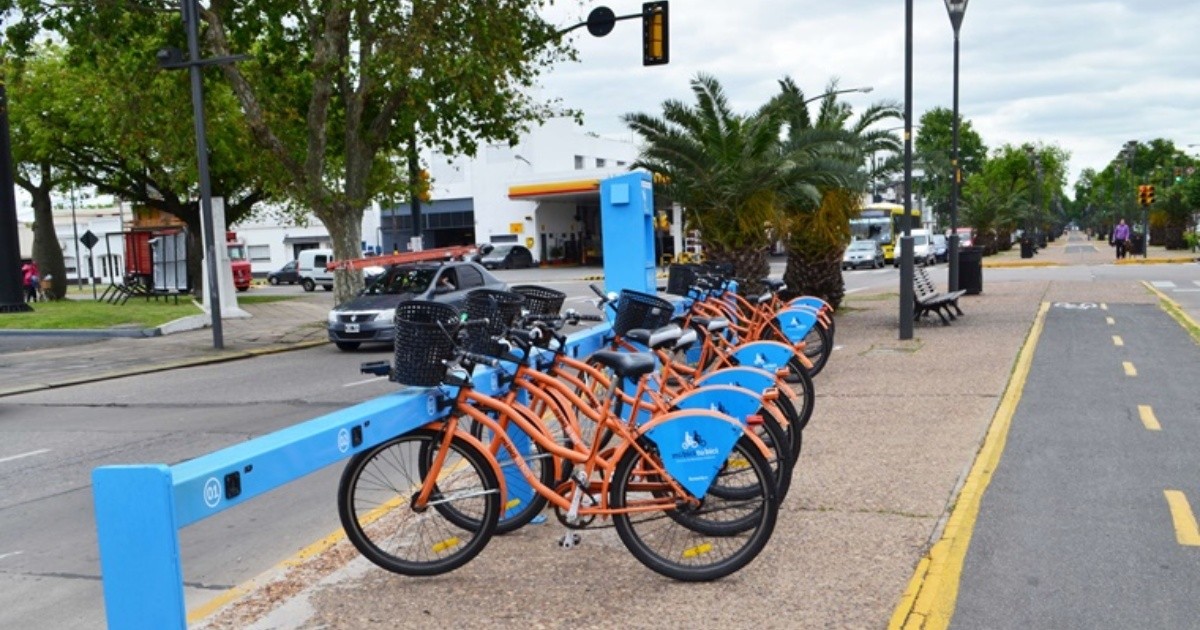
column 1186, row 531
column 1129, row 369
column 1148, row 419
column 1176, row 312
column 929, row 599
column 1103, row 306
column 1117, row 341
column 1110, row 321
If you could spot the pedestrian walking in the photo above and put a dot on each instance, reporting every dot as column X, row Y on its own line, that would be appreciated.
column 30, row 280
column 1121, row 239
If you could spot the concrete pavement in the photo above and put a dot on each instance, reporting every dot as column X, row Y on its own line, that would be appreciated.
column 897, row 425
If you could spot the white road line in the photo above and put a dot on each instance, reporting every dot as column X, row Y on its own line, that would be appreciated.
column 1186, row 291
column 11, row 553
column 373, row 379
column 849, row 291
column 1163, row 284
column 29, row 454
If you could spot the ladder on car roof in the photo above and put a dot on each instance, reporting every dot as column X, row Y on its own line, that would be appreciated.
column 440, row 253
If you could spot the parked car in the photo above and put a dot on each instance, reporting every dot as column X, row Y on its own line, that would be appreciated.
column 964, row 237
column 285, row 274
column 311, row 267
column 941, row 247
column 863, row 253
column 922, row 248
column 505, row 256
column 370, row 316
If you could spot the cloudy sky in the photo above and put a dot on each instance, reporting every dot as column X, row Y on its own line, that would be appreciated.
column 1086, row 75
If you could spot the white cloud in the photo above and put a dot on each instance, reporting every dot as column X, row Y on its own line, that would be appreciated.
column 1086, row 75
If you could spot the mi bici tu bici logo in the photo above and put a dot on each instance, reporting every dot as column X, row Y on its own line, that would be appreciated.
column 694, row 446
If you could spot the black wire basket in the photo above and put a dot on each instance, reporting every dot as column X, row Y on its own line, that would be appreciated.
column 641, row 310
column 423, row 342
column 681, row 277
column 540, row 300
column 501, row 309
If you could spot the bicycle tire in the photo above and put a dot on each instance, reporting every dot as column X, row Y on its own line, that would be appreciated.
column 818, row 345
column 375, row 505
column 780, row 462
column 693, row 557
column 799, row 378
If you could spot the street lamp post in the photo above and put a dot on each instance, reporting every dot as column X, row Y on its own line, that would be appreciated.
column 907, row 299
column 172, row 59
column 863, row 90
column 957, row 9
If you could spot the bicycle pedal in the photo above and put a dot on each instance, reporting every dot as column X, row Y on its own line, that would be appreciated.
column 569, row 540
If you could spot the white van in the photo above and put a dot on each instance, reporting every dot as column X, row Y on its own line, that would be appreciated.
column 310, row 266
column 923, row 252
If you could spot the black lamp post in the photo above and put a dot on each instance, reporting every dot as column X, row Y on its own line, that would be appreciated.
column 957, row 9
column 172, row 59
column 12, row 291
column 907, row 298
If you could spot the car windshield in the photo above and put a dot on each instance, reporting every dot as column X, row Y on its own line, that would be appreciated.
column 500, row 251
column 863, row 245
column 399, row 280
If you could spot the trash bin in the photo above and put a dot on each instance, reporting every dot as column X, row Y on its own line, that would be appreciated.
column 1137, row 244
column 970, row 270
column 1026, row 247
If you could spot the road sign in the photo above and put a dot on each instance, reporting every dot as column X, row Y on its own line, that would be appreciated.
column 89, row 240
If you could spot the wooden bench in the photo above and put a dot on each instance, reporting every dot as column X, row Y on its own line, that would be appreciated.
column 927, row 299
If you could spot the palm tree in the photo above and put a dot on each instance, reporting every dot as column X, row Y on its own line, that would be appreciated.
column 725, row 170
column 826, row 175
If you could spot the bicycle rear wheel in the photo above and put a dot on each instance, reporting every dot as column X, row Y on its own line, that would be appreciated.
column 375, row 504
column 683, row 545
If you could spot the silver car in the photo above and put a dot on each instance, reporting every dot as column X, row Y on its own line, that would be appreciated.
column 864, row 253
column 370, row 316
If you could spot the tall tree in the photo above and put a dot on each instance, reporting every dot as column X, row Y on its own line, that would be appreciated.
column 335, row 88
column 724, row 168
column 825, row 175
column 934, row 150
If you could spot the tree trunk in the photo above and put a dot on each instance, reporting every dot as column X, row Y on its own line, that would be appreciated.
column 815, row 271
column 47, row 251
column 345, row 231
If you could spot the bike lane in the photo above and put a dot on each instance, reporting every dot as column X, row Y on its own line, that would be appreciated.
column 1088, row 520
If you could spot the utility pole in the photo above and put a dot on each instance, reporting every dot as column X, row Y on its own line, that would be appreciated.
column 12, row 294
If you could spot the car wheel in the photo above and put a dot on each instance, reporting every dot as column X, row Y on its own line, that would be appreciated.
column 309, row 285
column 347, row 346
column 272, row 280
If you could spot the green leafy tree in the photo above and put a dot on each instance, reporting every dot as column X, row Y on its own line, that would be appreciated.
column 335, row 91
column 933, row 148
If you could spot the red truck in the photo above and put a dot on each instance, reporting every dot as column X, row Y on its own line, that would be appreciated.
column 239, row 260
column 140, row 263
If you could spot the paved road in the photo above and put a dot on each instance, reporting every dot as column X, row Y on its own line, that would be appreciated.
column 1075, row 530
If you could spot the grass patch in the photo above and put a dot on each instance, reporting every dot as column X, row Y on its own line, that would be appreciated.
column 87, row 314
column 263, row 299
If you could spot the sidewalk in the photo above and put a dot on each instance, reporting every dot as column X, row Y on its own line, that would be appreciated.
column 272, row 327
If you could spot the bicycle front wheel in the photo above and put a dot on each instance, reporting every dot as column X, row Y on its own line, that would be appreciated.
column 690, row 545
column 376, row 504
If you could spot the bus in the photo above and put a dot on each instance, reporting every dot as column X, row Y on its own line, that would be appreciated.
column 882, row 222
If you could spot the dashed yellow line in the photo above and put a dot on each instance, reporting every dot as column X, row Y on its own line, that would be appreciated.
column 1103, row 306
column 1129, row 369
column 1110, row 321
column 1148, row 419
column 1117, row 341
column 1186, row 530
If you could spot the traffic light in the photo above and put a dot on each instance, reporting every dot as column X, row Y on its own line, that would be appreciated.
column 1145, row 195
column 656, row 49
column 1178, row 175
column 1141, row 194
column 1150, row 195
